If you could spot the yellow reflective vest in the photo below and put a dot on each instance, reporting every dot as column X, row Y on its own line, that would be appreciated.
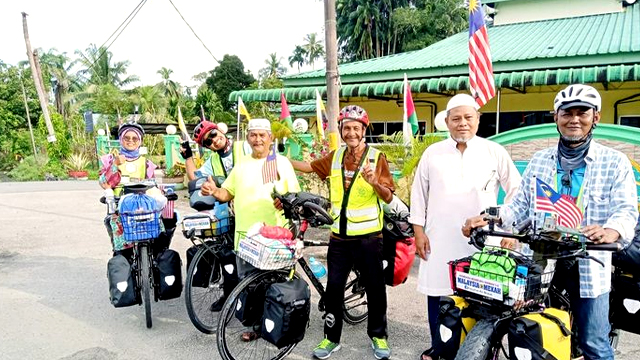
column 132, row 170
column 356, row 210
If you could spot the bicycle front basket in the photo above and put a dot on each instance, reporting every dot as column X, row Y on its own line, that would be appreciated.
column 138, row 226
column 264, row 253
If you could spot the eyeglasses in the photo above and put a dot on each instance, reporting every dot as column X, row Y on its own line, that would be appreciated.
column 208, row 140
column 130, row 138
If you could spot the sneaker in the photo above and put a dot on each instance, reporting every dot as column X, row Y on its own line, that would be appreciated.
column 380, row 348
column 325, row 349
column 217, row 305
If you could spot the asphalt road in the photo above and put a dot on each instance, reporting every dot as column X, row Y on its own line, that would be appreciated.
column 54, row 294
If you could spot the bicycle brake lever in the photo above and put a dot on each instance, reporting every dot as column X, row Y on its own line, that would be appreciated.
column 589, row 257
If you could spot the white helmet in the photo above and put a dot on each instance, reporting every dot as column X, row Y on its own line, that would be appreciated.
column 577, row 95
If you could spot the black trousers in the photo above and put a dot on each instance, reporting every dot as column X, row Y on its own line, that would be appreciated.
column 433, row 308
column 366, row 255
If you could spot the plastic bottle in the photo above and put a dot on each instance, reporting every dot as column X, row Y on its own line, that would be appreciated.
column 318, row 269
column 521, row 280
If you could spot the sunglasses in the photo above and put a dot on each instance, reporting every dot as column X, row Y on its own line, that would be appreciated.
column 208, row 140
column 130, row 138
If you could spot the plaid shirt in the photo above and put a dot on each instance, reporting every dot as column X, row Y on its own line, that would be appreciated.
column 609, row 200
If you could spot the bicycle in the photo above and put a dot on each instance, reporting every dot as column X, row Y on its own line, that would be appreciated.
column 303, row 210
column 214, row 238
column 141, row 229
column 485, row 340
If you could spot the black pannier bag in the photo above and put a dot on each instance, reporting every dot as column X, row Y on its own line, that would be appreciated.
column 207, row 270
column 455, row 320
column 169, row 274
column 250, row 304
column 122, row 288
column 229, row 269
column 625, row 303
column 286, row 312
column 629, row 259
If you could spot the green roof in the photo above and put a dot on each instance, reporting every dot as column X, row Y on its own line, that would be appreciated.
column 602, row 39
column 516, row 79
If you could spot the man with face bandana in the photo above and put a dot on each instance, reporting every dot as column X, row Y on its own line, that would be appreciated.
column 456, row 178
column 600, row 181
column 359, row 180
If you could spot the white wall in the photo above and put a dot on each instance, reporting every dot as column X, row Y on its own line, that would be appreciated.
column 510, row 12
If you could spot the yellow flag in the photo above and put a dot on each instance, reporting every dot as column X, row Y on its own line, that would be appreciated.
column 321, row 115
column 182, row 126
column 242, row 110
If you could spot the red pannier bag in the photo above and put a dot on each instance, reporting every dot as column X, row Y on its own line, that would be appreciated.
column 398, row 260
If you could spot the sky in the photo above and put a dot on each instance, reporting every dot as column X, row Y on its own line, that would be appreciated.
column 157, row 36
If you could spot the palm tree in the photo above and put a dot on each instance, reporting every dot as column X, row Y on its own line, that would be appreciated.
column 152, row 103
column 63, row 82
column 99, row 68
column 274, row 69
column 313, row 48
column 298, row 56
column 170, row 88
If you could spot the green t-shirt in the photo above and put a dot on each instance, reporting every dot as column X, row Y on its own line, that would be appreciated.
column 252, row 200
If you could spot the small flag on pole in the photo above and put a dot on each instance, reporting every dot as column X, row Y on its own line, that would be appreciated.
column 242, row 110
column 549, row 201
column 321, row 116
column 285, row 115
column 481, row 80
column 270, row 167
column 182, row 126
column 410, row 118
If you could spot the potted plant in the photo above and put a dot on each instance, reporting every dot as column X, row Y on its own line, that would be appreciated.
column 175, row 175
column 76, row 166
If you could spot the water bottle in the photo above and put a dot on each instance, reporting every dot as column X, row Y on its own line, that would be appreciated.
column 318, row 269
column 521, row 280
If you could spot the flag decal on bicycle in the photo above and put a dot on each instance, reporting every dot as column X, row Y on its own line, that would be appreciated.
column 549, row 201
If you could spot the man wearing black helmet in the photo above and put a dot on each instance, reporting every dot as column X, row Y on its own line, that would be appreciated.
column 600, row 181
column 359, row 181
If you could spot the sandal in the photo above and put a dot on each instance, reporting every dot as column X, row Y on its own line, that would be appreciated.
column 250, row 336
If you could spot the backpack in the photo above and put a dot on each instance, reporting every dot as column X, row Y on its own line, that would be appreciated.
column 541, row 336
column 286, row 312
column 169, row 274
column 398, row 243
column 455, row 320
column 122, row 284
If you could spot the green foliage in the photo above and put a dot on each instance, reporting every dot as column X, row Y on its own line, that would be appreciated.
column 31, row 170
column 99, row 69
column 228, row 76
column 76, row 162
column 405, row 158
column 61, row 148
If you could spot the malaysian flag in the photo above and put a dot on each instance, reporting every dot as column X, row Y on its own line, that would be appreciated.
column 549, row 201
column 270, row 167
column 480, row 68
column 168, row 210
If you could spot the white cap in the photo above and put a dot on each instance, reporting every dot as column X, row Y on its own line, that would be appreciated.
column 462, row 100
column 259, row 124
column 439, row 122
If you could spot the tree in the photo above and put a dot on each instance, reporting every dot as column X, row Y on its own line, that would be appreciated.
column 298, row 57
column 99, row 69
column 313, row 48
column 170, row 88
column 228, row 76
column 274, row 68
column 57, row 67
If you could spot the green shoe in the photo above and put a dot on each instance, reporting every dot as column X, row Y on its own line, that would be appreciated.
column 325, row 349
column 380, row 348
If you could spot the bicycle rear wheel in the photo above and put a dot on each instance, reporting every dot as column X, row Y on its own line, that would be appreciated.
column 231, row 345
column 145, row 283
column 203, row 290
column 355, row 300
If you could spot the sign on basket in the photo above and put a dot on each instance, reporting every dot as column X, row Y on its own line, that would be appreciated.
column 477, row 285
column 264, row 253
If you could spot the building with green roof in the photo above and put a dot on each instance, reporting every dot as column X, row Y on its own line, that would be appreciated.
column 538, row 47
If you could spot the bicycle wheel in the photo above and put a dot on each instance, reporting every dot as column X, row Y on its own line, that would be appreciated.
column 231, row 344
column 355, row 300
column 203, row 290
column 145, row 282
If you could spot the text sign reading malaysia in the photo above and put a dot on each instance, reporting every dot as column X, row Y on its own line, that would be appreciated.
column 477, row 285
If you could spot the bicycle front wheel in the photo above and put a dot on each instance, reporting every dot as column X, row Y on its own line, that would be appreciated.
column 355, row 300
column 145, row 283
column 238, row 337
column 203, row 288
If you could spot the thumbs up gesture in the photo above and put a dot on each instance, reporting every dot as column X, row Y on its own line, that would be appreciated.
column 209, row 188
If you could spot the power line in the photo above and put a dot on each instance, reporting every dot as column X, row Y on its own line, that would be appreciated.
column 194, row 33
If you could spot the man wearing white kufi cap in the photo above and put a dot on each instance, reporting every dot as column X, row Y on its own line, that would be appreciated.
column 457, row 177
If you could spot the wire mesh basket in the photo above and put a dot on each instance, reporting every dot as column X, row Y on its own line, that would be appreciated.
column 498, row 288
column 266, row 254
column 205, row 226
column 139, row 226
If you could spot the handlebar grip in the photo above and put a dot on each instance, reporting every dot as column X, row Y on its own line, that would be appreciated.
column 103, row 200
column 325, row 217
column 520, row 228
column 615, row 247
column 172, row 197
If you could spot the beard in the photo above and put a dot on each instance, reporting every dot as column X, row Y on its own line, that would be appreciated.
column 461, row 140
column 573, row 138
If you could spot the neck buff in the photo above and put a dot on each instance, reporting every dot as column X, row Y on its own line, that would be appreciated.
column 572, row 158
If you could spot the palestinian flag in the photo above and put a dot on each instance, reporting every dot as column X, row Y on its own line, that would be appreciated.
column 285, row 115
column 410, row 118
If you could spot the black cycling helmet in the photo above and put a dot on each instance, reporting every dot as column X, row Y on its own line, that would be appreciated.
column 131, row 125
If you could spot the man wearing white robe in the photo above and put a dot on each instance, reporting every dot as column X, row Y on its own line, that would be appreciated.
column 456, row 178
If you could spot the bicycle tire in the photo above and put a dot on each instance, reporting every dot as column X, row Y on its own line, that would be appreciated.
column 146, row 283
column 198, row 299
column 355, row 300
column 230, row 329
column 477, row 345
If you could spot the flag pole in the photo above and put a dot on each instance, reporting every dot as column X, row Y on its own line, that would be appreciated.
column 498, row 114
column 238, row 125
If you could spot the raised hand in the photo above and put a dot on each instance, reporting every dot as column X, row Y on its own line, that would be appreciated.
column 185, row 150
column 209, row 187
column 369, row 174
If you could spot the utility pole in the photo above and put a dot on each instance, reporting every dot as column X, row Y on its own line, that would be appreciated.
column 332, row 77
column 26, row 108
column 37, row 79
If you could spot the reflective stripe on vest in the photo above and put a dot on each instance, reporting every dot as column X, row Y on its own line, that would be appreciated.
column 363, row 209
